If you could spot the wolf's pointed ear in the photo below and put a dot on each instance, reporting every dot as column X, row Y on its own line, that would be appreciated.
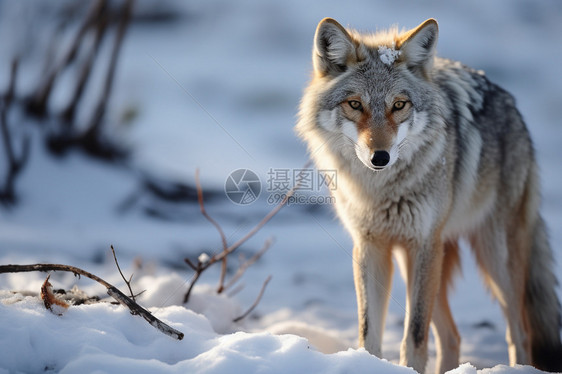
column 333, row 48
column 417, row 46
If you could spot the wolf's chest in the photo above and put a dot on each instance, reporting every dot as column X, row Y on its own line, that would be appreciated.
column 384, row 211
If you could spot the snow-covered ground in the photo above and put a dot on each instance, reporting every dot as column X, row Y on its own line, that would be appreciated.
column 218, row 89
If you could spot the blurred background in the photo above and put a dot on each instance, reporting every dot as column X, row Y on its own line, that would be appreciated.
column 108, row 107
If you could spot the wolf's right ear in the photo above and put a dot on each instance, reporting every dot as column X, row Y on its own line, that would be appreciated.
column 333, row 48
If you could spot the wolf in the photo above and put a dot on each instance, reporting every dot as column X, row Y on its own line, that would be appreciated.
column 428, row 152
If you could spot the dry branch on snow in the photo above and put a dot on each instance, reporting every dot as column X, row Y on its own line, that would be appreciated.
column 111, row 291
column 204, row 261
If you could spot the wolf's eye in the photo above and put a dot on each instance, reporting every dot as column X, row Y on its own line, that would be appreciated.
column 399, row 105
column 356, row 105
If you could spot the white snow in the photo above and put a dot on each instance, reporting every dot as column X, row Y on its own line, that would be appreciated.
column 246, row 63
column 203, row 258
column 388, row 54
column 107, row 338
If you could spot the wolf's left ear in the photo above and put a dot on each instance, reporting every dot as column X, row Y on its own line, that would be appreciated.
column 333, row 48
column 417, row 46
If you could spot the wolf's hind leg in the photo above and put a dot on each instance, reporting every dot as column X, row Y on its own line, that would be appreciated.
column 506, row 279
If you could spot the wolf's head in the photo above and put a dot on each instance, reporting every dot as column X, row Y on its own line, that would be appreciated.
column 370, row 93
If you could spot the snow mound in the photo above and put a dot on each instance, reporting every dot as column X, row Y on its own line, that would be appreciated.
column 107, row 338
column 168, row 290
column 499, row 369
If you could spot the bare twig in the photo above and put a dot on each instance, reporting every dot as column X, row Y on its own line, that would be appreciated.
column 224, row 268
column 246, row 264
column 255, row 304
column 196, row 276
column 10, row 94
column 262, row 223
column 99, row 111
column 187, row 261
column 86, row 69
column 111, row 291
column 127, row 282
column 90, row 138
column 220, row 288
column 15, row 164
column 236, row 290
column 200, row 267
column 38, row 103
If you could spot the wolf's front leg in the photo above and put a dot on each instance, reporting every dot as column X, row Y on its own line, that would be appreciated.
column 423, row 279
column 372, row 269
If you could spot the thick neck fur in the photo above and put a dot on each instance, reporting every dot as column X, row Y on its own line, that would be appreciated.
column 424, row 161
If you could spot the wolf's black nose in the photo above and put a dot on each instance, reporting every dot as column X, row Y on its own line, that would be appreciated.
column 380, row 158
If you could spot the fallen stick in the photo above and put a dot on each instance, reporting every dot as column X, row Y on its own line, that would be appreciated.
column 111, row 291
